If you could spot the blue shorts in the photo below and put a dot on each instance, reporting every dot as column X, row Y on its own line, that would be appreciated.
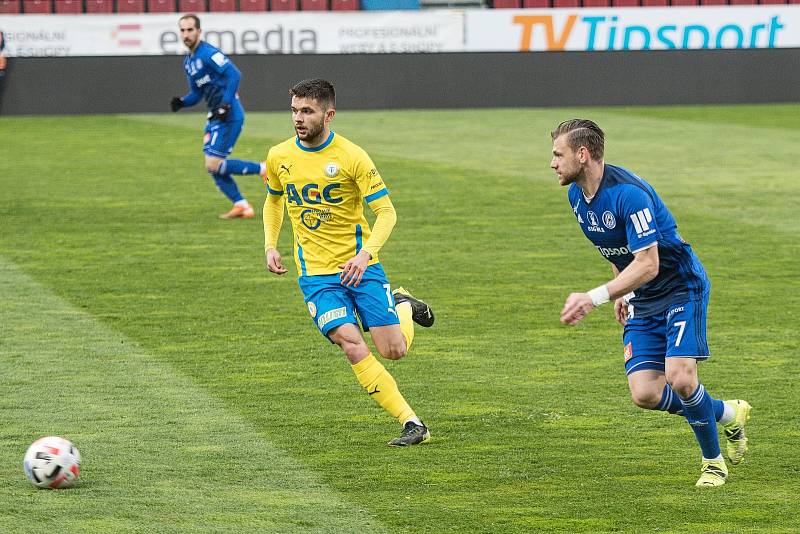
column 678, row 332
column 220, row 136
column 332, row 304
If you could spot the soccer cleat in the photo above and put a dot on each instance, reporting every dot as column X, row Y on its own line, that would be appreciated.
column 714, row 473
column 239, row 212
column 412, row 434
column 736, row 444
column 421, row 313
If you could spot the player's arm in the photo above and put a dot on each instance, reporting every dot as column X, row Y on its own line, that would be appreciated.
column 273, row 220
column 641, row 270
column 187, row 100
column 385, row 219
column 230, row 76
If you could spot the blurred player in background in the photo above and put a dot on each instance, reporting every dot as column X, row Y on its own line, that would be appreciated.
column 3, row 66
column 215, row 79
column 325, row 180
column 660, row 292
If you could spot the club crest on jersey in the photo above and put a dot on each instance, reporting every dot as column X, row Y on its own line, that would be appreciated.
column 198, row 63
column 609, row 221
column 312, row 309
column 628, row 352
column 331, row 170
column 594, row 222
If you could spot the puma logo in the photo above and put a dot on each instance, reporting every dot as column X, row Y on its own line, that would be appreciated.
column 285, row 168
column 374, row 391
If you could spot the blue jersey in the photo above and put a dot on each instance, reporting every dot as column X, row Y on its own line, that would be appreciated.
column 627, row 216
column 213, row 78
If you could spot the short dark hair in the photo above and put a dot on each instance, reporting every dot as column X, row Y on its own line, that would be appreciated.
column 192, row 16
column 317, row 89
column 582, row 132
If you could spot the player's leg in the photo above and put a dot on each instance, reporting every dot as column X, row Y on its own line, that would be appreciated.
column 686, row 344
column 376, row 308
column 334, row 312
column 217, row 145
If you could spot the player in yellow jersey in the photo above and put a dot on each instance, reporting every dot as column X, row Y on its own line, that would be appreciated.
column 324, row 180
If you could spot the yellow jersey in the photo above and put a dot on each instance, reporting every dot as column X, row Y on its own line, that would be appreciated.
column 324, row 190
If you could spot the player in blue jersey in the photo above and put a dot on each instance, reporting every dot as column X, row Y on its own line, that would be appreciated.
column 215, row 79
column 660, row 292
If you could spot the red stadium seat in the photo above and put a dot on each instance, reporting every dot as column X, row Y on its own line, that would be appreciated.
column 713, row 2
column 252, row 5
column 37, row 6
column 625, row 3
column 283, row 5
column 103, row 6
column 566, row 3
column 772, row 1
column 683, row 2
column 69, row 6
column 161, row 6
column 535, row 3
column 595, row 3
column 655, row 3
column 129, row 6
column 191, row 6
column 10, row 7
column 222, row 5
column 314, row 5
column 345, row 5
column 743, row 2
column 503, row 4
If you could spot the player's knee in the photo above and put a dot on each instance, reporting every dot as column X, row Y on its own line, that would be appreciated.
column 682, row 383
column 394, row 350
column 646, row 398
column 213, row 164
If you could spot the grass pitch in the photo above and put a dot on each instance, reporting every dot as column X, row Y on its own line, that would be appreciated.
column 136, row 324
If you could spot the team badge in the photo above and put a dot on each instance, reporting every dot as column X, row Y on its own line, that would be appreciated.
column 207, row 137
column 628, row 351
column 331, row 170
column 312, row 309
column 592, row 218
column 198, row 63
column 608, row 220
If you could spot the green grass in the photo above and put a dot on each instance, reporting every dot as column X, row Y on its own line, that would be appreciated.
column 136, row 324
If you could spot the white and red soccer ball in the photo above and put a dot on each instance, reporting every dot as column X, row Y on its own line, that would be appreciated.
column 52, row 462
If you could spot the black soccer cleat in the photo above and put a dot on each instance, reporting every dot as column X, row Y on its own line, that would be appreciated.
column 413, row 434
column 421, row 313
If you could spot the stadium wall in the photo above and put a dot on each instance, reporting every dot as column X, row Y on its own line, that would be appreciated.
column 73, row 85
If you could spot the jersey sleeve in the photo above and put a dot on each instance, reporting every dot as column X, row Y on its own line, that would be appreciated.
column 274, row 186
column 636, row 208
column 367, row 178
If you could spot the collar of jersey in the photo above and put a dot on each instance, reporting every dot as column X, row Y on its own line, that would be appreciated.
column 316, row 148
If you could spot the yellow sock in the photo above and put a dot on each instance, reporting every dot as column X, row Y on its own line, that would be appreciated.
column 382, row 388
column 406, row 322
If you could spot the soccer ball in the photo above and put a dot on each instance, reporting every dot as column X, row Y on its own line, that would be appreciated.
column 52, row 462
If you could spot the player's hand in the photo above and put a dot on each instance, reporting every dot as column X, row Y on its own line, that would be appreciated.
column 220, row 113
column 353, row 270
column 577, row 306
column 621, row 310
column 176, row 103
column 274, row 262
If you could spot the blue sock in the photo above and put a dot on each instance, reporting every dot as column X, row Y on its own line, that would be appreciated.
column 699, row 410
column 670, row 402
column 238, row 166
column 228, row 187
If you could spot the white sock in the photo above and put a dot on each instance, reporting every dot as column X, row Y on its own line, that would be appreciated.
column 728, row 414
column 243, row 203
column 414, row 420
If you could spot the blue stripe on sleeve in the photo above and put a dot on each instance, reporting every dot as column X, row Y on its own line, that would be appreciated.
column 358, row 238
column 273, row 191
column 375, row 196
column 302, row 260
